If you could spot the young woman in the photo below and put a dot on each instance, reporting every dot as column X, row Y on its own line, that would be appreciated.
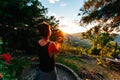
column 46, row 51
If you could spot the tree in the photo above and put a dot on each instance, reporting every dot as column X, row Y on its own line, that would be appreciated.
column 100, row 42
column 18, row 20
column 54, row 22
column 104, row 12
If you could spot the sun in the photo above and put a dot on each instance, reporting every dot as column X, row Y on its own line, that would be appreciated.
column 70, row 26
column 72, row 30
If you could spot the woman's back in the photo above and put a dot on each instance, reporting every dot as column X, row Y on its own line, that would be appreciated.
column 46, row 62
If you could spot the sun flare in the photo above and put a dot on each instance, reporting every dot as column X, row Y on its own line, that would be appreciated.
column 72, row 30
column 70, row 26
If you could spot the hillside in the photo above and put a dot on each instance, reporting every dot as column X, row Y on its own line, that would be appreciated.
column 117, row 39
column 77, row 41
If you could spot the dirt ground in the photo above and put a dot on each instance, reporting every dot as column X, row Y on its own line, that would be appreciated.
column 92, row 71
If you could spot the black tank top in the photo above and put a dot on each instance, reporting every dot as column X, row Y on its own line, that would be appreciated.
column 46, row 63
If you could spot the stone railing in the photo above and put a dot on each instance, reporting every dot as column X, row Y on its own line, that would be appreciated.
column 63, row 73
column 66, row 73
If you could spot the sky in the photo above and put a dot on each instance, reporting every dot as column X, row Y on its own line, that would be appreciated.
column 67, row 12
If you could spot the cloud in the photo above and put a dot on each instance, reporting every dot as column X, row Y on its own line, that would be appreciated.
column 53, row 1
column 77, row 22
column 63, row 4
column 61, row 17
column 53, row 14
column 70, row 26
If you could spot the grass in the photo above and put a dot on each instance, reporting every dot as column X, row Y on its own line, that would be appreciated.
column 78, row 64
column 72, row 62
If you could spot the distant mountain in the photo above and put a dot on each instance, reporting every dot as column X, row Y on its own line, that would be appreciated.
column 77, row 41
column 117, row 39
column 73, row 37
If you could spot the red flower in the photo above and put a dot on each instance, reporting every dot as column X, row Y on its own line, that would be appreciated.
column 1, row 76
column 6, row 57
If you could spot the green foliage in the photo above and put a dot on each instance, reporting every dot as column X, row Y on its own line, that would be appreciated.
column 94, row 51
column 7, row 70
column 71, row 62
column 101, row 11
column 19, row 65
column 20, row 12
column 53, row 22
column 101, row 43
column 70, row 50
column 18, row 20
column 13, row 69
column 104, row 38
